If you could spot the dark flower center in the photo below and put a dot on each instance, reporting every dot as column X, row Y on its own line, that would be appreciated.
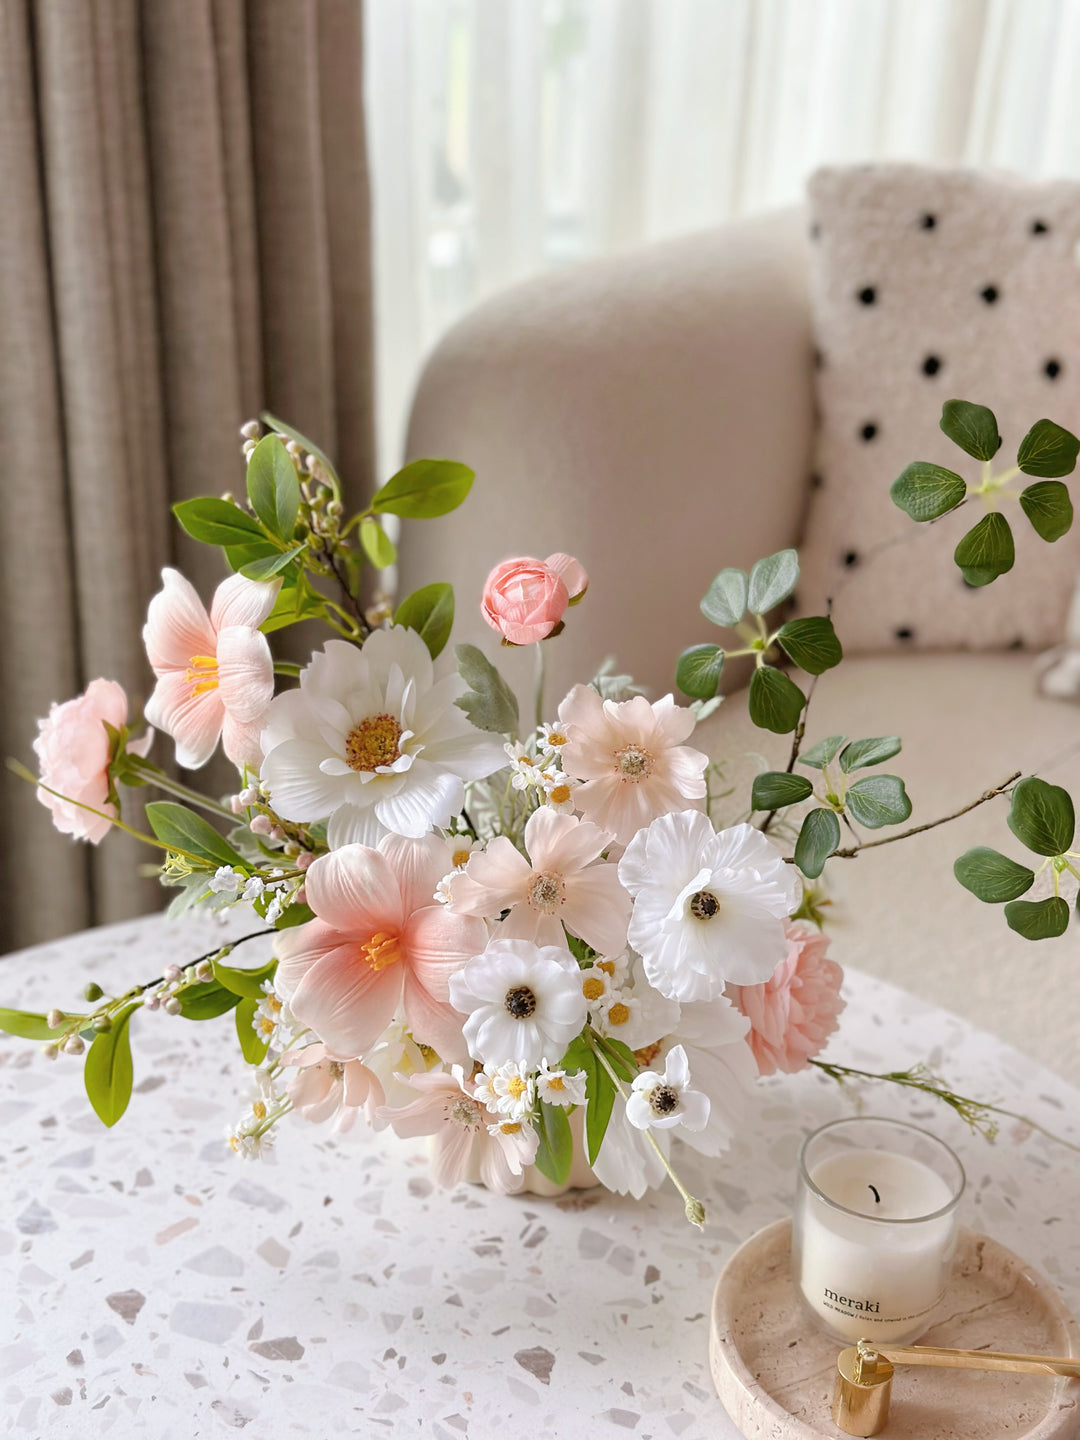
column 520, row 1002
column 704, row 905
column 664, row 1099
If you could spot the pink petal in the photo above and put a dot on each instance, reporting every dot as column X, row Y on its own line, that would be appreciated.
column 354, row 890
column 570, row 571
column 597, row 908
column 433, row 1023
column 245, row 672
column 241, row 742
column 177, row 625
column 493, row 880
column 439, row 943
column 451, row 1159
column 418, row 866
column 240, row 601
column 298, row 949
column 193, row 721
column 346, row 1002
column 560, row 842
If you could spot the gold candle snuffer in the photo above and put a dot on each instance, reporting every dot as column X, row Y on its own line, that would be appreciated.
column 865, row 1372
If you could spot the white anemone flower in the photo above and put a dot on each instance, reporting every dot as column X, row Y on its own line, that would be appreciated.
column 523, row 1001
column 660, row 1102
column 713, row 1035
column 373, row 742
column 709, row 907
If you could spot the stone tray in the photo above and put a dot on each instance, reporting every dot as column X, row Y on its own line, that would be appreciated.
column 774, row 1372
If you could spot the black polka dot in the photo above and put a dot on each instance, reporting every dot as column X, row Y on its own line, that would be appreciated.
column 815, row 231
column 927, row 221
column 817, row 482
column 867, row 295
column 868, row 431
column 1017, row 644
column 1040, row 227
column 851, row 559
column 990, row 294
column 819, row 360
column 931, row 365
column 1052, row 369
column 904, row 632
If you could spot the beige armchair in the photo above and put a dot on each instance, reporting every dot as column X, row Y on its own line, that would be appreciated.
column 653, row 414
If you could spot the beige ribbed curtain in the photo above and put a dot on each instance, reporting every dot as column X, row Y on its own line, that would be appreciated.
column 184, row 239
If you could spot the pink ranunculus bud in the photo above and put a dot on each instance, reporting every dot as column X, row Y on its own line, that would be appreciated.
column 304, row 860
column 571, row 572
column 796, row 1010
column 73, row 751
column 524, row 599
column 261, row 825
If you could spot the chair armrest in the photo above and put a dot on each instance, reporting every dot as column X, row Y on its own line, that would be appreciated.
column 649, row 413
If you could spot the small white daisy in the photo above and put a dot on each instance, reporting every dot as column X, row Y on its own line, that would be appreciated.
column 556, row 1087
column 558, row 790
column 507, row 1089
column 525, row 767
column 552, row 738
column 595, row 986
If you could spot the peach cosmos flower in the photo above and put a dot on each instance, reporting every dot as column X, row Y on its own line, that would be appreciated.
column 378, row 942
column 72, row 747
column 524, row 599
column 631, row 757
column 322, row 1088
column 215, row 673
column 564, row 879
column 796, row 1010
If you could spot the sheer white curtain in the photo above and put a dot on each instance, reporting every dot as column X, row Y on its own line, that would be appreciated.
column 512, row 135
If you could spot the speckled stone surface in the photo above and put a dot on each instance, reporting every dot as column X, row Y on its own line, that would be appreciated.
column 155, row 1285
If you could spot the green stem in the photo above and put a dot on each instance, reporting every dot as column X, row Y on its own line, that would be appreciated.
column 157, row 777
column 287, row 667
column 540, row 666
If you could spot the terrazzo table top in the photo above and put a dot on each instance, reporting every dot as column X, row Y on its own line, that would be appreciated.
column 156, row 1285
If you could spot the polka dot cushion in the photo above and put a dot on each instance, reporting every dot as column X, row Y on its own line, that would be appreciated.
column 931, row 285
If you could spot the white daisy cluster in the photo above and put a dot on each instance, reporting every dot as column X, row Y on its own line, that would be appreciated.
column 234, row 885
column 273, row 1022
column 512, row 1091
column 252, row 1137
column 537, row 767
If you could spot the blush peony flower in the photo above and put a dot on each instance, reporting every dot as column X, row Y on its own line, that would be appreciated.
column 72, row 747
column 374, row 742
column 564, row 880
column 709, row 907
column 379, row 941
column 322, row 1088
column 524, row 1002
column 793, row 1013
column 215, row 673
column 524, row 599
column 631, row 757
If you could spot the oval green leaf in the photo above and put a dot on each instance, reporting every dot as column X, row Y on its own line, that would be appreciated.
column 181, row 829
column 489, row 702
column 818, row 838
column 972, row 427
column 205, row 1001
column 378, row 546
column 987, row 550
column 246, row 983
column 430, row 612
column 1038, row 919
column 424, row 490
column 26, row 1025
column 253, row 1046
column 772, row 580
column 823, row 753
column 1041, row 816
column 812, row 643
column 725, row 602
column 873, row 751
column 273, row 487
column 698, row 671
column 991, row 876
column 878, row 800
column 108, row 1072
column 1048, row 450
column 775, row 701
column 775, row 789
column 1047, row 505
column 267, row 566
column 217, row 522
column 301, row 439
column 555, row 1152
column 926, row 491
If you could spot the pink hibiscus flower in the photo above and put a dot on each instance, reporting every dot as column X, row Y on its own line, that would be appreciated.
column 72, row 747
column 564, row 880
column 215, row 673
column 631, row 757
column 379, row 941
column 795, row 1011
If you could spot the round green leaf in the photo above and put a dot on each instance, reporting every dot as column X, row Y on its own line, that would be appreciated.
column 823, row 753
column 987, row 550
column 972, row 427
column 811, row 643
column 108, row 1072
column 430, row 612
column 424, row 490
column 1048, row 507
column 772, row 580
column 272, row 487
column 878, row 800
column 725, row 602
column 991, row 876
column 698, row 672
column 861, row 753
column 818, row 838
column 1041, row 816
column 1038, row 919
column 926, row 491
column 1048, row 450
column 775, row 789
column 378, row 546
column 775, row 701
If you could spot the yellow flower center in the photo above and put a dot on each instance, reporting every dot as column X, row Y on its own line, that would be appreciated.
column 234, row 1143
column 202, row 674
column 266, row 1025
column 633, row 763
column 555, row 1082
column 383, row 949
column 618, row 1014
column 516, row 1086
column 259, row 1110
column 606, row 965
column 372, row 743
column 510, row 1127
column 556, row 738
column 646, row 1056
column 559, row 794
column 592, row 988
column 461, row 858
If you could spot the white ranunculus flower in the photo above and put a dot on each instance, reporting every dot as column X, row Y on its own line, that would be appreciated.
column 660, row 1102
column 709, row 907
column 373, row 742
column 524, row 1002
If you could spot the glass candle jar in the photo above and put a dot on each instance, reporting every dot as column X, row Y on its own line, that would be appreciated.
column 874, row 1229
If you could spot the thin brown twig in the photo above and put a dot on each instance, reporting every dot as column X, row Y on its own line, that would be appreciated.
column 930, row 824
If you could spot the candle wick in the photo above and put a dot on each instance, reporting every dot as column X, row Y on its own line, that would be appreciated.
column 877, row 1197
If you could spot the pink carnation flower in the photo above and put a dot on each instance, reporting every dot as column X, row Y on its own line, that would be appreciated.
column 524, row 599
column 631, row 757
column 795, row 1011
column 73, row 751
column 379, row 942
column 215, row 672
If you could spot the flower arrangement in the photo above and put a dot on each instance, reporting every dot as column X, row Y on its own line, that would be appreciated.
column 528, row 942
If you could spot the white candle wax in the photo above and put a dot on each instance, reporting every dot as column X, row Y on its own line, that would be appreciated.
column 866, row 1277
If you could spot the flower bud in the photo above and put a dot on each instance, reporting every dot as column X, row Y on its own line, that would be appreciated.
column 102, row 1023
column 250, row 796
column 292, row 848
column 73, row 1045
column 172, row 1006
column 228, row 497
column 303, row 861
column 300, row 898
column 695, row 1212
column 92, row 991
column 204, row 971
column 55, row 1019
column 236, row 805
column 261, row 825
column 51, row 1050
column 336, row 509
column 153, row 1003
column 171, row 973
column 277, row 833
column 250, row 430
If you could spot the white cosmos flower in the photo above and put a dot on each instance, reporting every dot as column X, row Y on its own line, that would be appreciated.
column 523, row 1001
column 373, row 742
column 660, row 1102
column 708, row 907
